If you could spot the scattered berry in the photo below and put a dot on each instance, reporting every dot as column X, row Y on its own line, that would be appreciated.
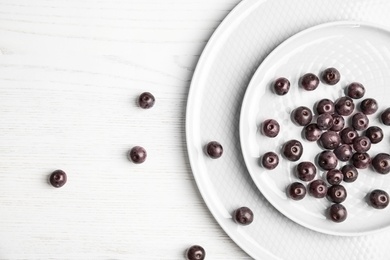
column 271, row 128
column 337, row 213
column 270, row 160
column 296, row 191
column 195, row 252
column 58, row 178
column 214, row 149
column 146, row 100
column 309, row 81
column 243, row 216
column 331, row 76
column 281, row 86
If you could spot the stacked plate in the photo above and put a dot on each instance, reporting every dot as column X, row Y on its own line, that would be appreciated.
column 231, row 95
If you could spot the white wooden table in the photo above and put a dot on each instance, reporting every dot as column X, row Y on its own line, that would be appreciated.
column 70, row 72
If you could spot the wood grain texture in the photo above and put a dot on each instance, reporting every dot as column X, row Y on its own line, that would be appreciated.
column 70, row 73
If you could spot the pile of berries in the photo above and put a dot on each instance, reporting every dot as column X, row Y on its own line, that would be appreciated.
column 342, row 130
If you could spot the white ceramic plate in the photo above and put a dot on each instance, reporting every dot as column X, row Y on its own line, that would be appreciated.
column 361, row 52
column 235, row 51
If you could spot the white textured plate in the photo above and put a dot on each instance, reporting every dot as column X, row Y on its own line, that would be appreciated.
column 361, row 52
column 252, row 30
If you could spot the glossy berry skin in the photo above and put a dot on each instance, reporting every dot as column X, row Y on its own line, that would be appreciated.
column 302, row 116
column 318, row 188
column 214, row 150
column 325, row 121
column 137, row 154
column 309, row 81
column 361, row 160
column 325, row 106
column 360, row 121
column 281, row 86
column 361, row 144
column 292, row 150
column 355, row 90
column 350, row 173
column 330, row 76
column 343, row 152
column 58, row 178
column 270, row 160
column 378, row 199
column 375, row 134
column 243, row 216
column 336, row 193
column 381, row 163
column 385, row 116
column 327, row 160
column 271, row 128
column 306, row 171
column 334, row 176
column 344, row 106
column 338, row 123
column 330, row 140
column 195, row 252
column 146, row 100
column 369, row 106
column 312, row 132
column 348, row 134
column 296, row 191
column 337, row 213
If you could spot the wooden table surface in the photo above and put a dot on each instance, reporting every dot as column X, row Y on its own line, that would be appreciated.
column 70, row 74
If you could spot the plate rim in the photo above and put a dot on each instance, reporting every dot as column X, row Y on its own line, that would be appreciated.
column 222, row 29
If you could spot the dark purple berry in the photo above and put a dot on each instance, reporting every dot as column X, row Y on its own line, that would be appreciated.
column 302, row 116
column 378, row 199
column 330, row 76
column 348, row 134
column 312, row 132
column 334, row 176
column 355, row 90
column 385, row 116
column 360, row 121
column 281, row 86
column 350, row 173
column 337, row 213
column 137, row 154
column 338, row 123
column 318, row 188
column 309, row 81
column 369, row 106
column 271, row 128
column 306, row 171
column 325, row 121
column 336, row 193
column 146, row 100
column 381, row 163
column 344, row 106
column 330, row 140
column 361, row 160
column 361, row 144
column 58, row 178
column 325, row 106
column 195, row 252
column 270, row 160
column 214, row 149
column 375, row 134
column 243, row 216
column 343, row 152
column 296, row 191
column 292, row 150
column 327, row 160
